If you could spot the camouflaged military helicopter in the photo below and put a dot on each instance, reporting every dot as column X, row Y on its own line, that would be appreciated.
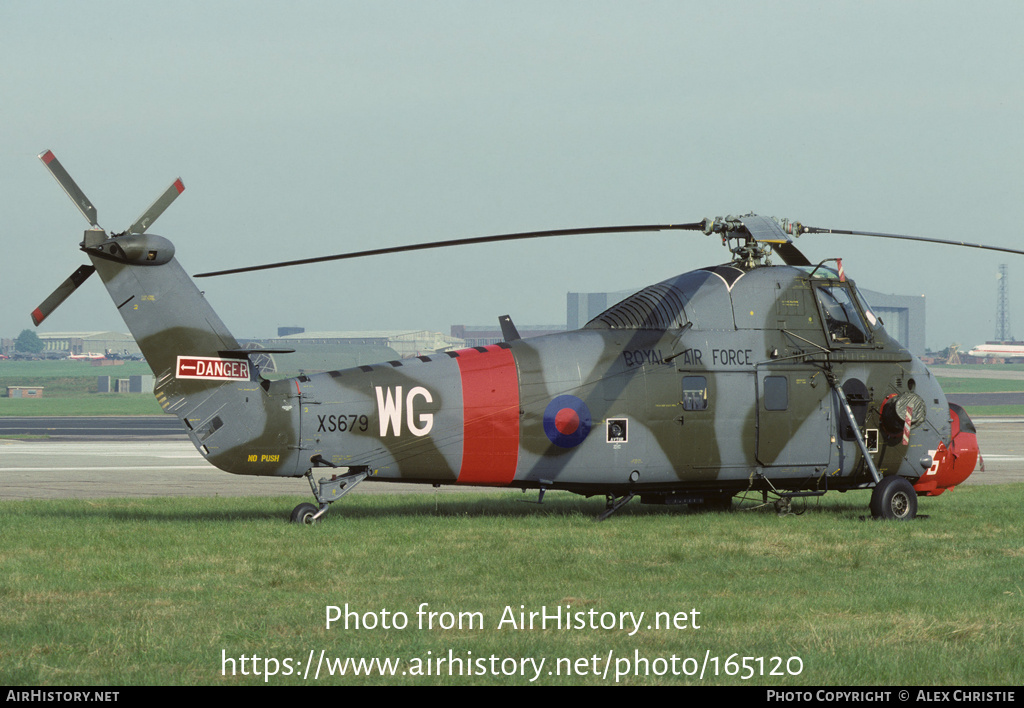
column 745, row 377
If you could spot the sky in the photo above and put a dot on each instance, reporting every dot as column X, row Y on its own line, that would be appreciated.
column 317, row 127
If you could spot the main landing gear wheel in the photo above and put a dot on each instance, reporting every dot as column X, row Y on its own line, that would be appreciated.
column 304, row 513
column 894, row 498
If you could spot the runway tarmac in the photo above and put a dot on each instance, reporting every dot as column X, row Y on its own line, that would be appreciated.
column 57, row 427
column 78, row 467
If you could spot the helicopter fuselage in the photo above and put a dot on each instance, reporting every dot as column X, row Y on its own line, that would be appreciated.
column 744, row 376
column 717, row 381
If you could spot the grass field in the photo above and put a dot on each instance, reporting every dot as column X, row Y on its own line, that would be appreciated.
column 967, row 385
column 69, row 388
column 950, row 385
column 164, row 591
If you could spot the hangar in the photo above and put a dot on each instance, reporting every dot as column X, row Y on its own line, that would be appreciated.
column 118, row 344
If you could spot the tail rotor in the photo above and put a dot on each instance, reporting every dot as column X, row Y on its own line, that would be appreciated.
column 95, row 237
column 77, row 196
column 61, row 294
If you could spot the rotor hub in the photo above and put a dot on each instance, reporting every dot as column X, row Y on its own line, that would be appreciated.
column 748, row 237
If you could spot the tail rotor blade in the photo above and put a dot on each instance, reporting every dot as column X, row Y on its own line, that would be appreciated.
column 68, row 185
column 61, row 293
column 157, row 208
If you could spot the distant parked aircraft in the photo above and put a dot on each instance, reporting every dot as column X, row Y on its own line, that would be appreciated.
column 998, row 351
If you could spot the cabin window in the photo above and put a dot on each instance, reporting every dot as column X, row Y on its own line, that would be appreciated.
column 842, row 318
column 776, row 393
column 695, row 393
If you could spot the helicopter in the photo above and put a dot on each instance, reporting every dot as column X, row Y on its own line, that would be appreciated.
column 744, row 377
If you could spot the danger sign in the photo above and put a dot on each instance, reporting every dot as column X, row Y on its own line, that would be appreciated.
column 208, row 367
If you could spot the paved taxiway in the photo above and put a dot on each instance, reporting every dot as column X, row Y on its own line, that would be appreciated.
column 60, row 427
column 88, row 466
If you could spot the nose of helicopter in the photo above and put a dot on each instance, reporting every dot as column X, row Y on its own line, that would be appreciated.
column 954, row 464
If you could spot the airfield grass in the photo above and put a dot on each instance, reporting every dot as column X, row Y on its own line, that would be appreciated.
column 97, row 404
column 160, row 591
column 70, row 388
column 978, row 412
column 951, row 385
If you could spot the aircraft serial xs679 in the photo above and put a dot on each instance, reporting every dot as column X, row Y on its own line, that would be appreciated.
column 740, row 377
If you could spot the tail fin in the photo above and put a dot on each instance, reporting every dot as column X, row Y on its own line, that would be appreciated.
column 193, row 356
column 158, row 301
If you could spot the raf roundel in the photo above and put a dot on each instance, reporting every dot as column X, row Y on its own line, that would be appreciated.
column 567, row 421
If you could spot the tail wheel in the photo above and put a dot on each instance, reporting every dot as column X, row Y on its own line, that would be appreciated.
column 894, row 499
column 304, row 513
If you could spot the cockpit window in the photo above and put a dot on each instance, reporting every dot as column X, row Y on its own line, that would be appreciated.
column 842, row 319
column 873, row 321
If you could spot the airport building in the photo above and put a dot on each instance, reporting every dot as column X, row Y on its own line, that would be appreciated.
column 482, row 336
column 118, row 344
column 406, row 343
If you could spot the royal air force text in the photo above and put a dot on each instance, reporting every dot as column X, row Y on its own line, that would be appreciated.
column 720, row 358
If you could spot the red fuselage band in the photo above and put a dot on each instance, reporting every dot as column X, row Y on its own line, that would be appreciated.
column 490, row 405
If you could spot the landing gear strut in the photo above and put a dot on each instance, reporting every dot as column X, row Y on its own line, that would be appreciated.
column 328, row 491
column 613, row 504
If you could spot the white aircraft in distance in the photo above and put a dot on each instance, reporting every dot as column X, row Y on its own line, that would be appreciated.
column 998, row 351
column 88, row 355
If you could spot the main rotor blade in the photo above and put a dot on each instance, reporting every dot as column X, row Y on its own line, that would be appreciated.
column 462, row 242
column 790, row 254
column 766, row 230
column 64, row 180
column 904, row 237
column 157, row 208
column 61, row 293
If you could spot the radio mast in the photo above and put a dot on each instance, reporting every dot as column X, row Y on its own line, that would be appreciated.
column 1003, row 307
